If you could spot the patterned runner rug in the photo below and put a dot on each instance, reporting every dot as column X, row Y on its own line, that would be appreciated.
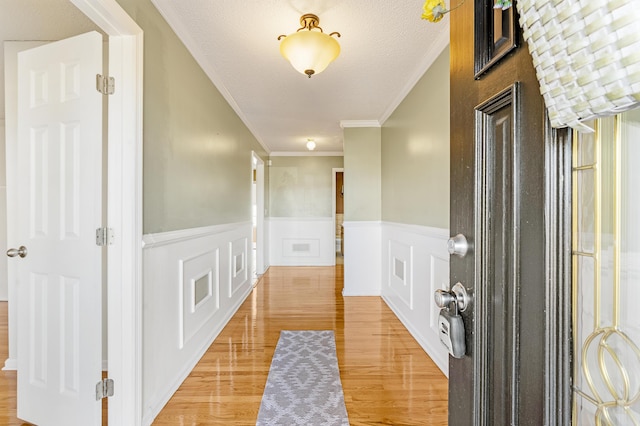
column 303, row 387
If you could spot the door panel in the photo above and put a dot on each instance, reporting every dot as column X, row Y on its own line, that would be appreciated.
column 497, row 257
column 59, row 191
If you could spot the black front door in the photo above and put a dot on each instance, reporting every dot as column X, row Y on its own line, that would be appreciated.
column 501, row 186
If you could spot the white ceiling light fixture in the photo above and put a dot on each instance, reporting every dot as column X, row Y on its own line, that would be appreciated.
column 311, row 145
column 310, row 51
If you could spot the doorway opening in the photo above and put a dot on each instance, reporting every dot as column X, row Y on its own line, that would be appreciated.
column 338, row 213
column 258, row 266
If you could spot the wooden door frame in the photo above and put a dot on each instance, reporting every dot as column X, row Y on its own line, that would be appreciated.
column 124, row 211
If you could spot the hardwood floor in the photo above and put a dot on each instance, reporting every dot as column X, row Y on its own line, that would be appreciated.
column 7, row 378
column 386, row 376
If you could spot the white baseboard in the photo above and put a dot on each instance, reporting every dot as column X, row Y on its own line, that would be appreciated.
column 10, row 364
column 434, row 349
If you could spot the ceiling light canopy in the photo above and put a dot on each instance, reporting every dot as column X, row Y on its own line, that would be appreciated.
column 310, row 51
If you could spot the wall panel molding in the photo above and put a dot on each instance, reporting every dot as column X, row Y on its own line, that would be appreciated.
column 422, row 254
column 238, row 264
column 194, row 281
column 362, row 258
column 197, row 309
column 301, row 241
column 400, row 267
column 172, row 237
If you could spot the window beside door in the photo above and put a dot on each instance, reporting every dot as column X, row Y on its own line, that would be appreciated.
column 606, row 272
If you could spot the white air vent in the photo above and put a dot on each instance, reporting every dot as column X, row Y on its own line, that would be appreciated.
column 300, row 247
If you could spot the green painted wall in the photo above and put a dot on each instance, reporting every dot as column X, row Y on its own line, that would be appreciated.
column 197, row 151
column 362, row 177
column 415, row 153
column 302, row 186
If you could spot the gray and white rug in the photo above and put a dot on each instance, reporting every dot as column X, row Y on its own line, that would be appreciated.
column 303, row 387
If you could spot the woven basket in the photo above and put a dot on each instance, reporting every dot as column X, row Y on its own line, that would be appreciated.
column 586, row 54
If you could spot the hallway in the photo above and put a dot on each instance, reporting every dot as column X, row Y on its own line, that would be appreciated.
column 387, row 377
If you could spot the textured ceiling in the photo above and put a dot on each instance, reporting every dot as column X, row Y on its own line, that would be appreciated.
column 385, row 49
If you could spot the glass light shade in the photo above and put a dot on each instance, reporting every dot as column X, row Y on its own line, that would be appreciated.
column 309, row 51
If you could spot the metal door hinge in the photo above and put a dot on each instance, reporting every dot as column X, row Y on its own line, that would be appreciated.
column 104, row 237
column 105, row 85
column 104, row 389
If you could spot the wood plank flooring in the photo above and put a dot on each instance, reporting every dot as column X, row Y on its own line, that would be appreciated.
column 7, row 378
column 386, row 376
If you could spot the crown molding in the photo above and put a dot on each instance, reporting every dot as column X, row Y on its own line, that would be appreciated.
column 440, row 43
column 198, row 54
column 359, row 123
column 306, row 154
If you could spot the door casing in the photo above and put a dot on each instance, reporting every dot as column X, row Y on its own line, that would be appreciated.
column 261, row 264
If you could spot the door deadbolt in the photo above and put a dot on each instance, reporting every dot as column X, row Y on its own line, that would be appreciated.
column 458, row 245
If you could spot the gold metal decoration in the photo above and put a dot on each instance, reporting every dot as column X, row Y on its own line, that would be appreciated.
column 309, row 49
column 606, row 359
column 309, row 21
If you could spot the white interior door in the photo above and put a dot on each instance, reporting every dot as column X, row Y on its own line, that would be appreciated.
column 59, row 203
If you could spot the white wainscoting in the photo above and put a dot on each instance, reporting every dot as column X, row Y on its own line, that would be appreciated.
column 295, row 241
column 194, row 281
column 415, row 263
column 362, row 272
